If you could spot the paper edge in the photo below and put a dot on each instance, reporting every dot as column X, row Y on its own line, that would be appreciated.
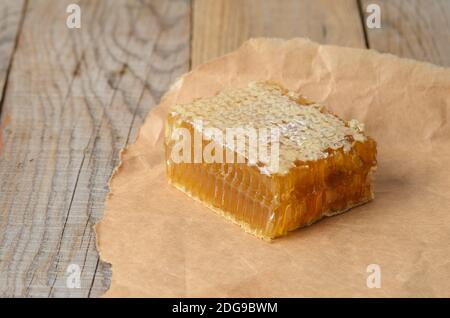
column 177, row 84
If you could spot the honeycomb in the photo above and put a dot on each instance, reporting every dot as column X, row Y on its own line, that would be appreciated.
column 319, row 165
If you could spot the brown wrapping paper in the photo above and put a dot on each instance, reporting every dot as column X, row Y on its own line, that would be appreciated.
column 162, row 243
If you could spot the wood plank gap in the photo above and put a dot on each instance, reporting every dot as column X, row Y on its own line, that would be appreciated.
column 11, row 58
column 93, row 278
column 363, row 23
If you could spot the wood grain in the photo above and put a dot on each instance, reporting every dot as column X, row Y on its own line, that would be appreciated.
column 75, row 97
column 72, row 98
column 11, row 17
column 220, row 26
column 418, row 29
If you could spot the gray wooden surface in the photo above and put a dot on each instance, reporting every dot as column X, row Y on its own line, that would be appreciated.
column 72, row 98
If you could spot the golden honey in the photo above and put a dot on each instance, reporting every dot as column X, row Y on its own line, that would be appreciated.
column 324, row 164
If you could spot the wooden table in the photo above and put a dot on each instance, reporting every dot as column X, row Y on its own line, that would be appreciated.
column 70, row 99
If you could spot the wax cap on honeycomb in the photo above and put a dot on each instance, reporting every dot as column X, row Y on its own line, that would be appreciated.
column 307, row 131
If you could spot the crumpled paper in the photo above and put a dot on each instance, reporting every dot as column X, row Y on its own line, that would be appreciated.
column 162, row 243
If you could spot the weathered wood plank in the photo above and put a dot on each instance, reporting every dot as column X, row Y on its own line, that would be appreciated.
column 220, row 26
column 11, row 17
column 416, row 29
column 75, row 98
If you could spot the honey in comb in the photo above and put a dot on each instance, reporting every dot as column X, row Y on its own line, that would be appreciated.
column 325, row 164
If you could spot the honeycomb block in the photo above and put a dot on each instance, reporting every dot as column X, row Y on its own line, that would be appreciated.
column 295, row 161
